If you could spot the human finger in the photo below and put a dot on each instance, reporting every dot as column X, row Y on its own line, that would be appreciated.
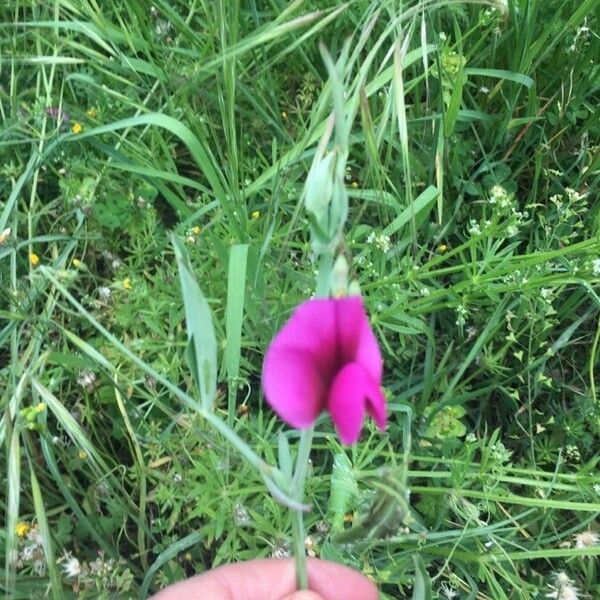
column 271, row 579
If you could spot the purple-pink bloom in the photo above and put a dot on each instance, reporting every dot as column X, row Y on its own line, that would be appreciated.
column 326, row 357
column 54, row 112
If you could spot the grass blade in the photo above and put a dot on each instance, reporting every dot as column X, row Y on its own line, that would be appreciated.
column 202, row 343
column 236, row 291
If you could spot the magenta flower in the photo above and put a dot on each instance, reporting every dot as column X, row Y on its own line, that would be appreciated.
column 326, row 357
column 57, row 114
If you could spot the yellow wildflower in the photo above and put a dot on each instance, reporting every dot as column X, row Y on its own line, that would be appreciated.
column 354, row 184
column 255, row 214
column 127, row 283
column 196, row 230
column 91, row 113
column 22, row 529
column 83, row 455
column 76, row 128
column 442, row 248
column 34, row 259
column 284, row 114
column 76, row 263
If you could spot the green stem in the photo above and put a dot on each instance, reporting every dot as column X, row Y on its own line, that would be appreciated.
column 324, row 275
column 299, row 550
column 297, row 493
column 302, row 460
column 306, row 437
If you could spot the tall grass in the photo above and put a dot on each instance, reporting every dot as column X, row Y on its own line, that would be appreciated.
column 473, row 178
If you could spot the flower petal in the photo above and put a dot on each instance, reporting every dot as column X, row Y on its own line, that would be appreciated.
column 293, row 385
column 376, row 403
column 311, row 329
column 346, row 402
column 368, row 353
column 350, row 317
column 356, row 338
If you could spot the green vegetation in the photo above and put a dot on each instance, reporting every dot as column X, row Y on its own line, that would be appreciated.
column 473, row 230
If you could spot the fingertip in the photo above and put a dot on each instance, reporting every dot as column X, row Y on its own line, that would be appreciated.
column 333, row 581
column 304, row 595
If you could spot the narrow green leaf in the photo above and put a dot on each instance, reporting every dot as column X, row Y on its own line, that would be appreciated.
column 236, row 291
column 199, row 152
column 171, row 552
column 70, row 426
column 422, row 582
column 83, row 520
column 420, row 208
column 343, row 490
column 42, row 521
column 451, row 115
column 284, row 455
column 500, row 74
column 12, row 511
column 202, row 348
column 88, row 349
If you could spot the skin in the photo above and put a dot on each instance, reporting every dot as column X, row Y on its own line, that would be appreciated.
column 273, row 579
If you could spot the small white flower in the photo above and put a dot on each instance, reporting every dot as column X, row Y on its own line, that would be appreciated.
column 27, row 553
column 309, row 544
column 35, row 536
column 586, row 539
column 5, row 235
column 484, row 89
column 39, row 566
column 71, row 567
column 448, row 591
column 383, row 242
column 572, row 453
column 322, row 526
column 574, row 195
column 281, row 550
column 497, row 191
column 557, row 200
column 499, row 196
column 461, row 315
column 563, row 588
column 87, row 379
column 474, row 228
column 104, row 293
column 241, row 516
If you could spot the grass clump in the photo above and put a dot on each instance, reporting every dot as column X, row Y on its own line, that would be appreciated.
column 473, row 231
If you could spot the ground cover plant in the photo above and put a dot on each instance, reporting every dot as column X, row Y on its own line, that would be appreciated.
column 472, row 179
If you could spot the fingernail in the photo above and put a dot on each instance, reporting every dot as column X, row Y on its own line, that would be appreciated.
column 304, row 595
